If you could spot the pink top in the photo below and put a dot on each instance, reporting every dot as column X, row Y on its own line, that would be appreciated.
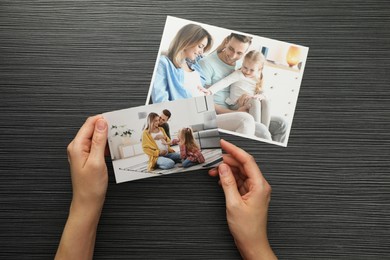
column 194, row 155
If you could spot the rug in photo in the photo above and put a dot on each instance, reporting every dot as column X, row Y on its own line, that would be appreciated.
column 254, row 80
column 163, row 138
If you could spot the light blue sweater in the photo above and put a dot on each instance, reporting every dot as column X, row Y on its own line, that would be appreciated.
column 169, row 80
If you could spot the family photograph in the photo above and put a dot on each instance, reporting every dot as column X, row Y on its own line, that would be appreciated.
column 254, row 81
column 163, row 138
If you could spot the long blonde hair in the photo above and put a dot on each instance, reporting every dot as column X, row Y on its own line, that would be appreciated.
column 187, row 138
column 150, row 119
column 258, row 58
column 187, row 37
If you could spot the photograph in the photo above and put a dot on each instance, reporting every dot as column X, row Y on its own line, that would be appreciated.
column 254, row 81
column 163, row 138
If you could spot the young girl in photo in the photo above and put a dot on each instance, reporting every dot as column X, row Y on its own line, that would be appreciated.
column 189, row 150
column 246, row 88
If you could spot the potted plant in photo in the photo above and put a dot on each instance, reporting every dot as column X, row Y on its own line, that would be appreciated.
column 123, row 131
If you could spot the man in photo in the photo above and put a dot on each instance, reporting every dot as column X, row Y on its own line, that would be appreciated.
column 164, row 117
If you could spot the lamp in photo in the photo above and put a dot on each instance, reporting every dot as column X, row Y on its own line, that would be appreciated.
column 293, row 56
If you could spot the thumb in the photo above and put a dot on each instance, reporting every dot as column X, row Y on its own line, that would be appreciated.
column 229, row 185
column 99, row 140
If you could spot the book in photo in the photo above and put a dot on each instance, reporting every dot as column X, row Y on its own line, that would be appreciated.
column 254, row 81
column 163, row 138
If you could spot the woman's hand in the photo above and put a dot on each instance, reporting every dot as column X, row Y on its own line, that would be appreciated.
column 87, row 164
column 89, row 181
column 247, row 196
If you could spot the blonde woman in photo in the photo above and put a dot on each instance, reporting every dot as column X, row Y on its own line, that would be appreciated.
column 178, row 73
column 180, row 76
column 155, row 143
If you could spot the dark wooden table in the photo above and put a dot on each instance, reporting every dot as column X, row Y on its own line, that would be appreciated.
column 61, row 61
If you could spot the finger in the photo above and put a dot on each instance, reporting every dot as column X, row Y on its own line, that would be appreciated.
column 239, row 177
column 236, row 173
column 234, row 164
column 86, row 130
column 243, row 189
column 213, row 172
column 241, row 182
column 242, row 179
column 248, row 162
column 99, row 141
column 81, row 144
column 229, row 185
column 244, row 183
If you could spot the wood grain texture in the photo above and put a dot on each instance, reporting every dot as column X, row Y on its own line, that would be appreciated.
column 61, row 61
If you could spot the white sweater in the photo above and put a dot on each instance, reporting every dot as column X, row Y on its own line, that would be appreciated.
column 239, row 85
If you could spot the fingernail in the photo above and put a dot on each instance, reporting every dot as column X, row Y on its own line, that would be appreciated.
column 101, row 125
column 222, row 169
